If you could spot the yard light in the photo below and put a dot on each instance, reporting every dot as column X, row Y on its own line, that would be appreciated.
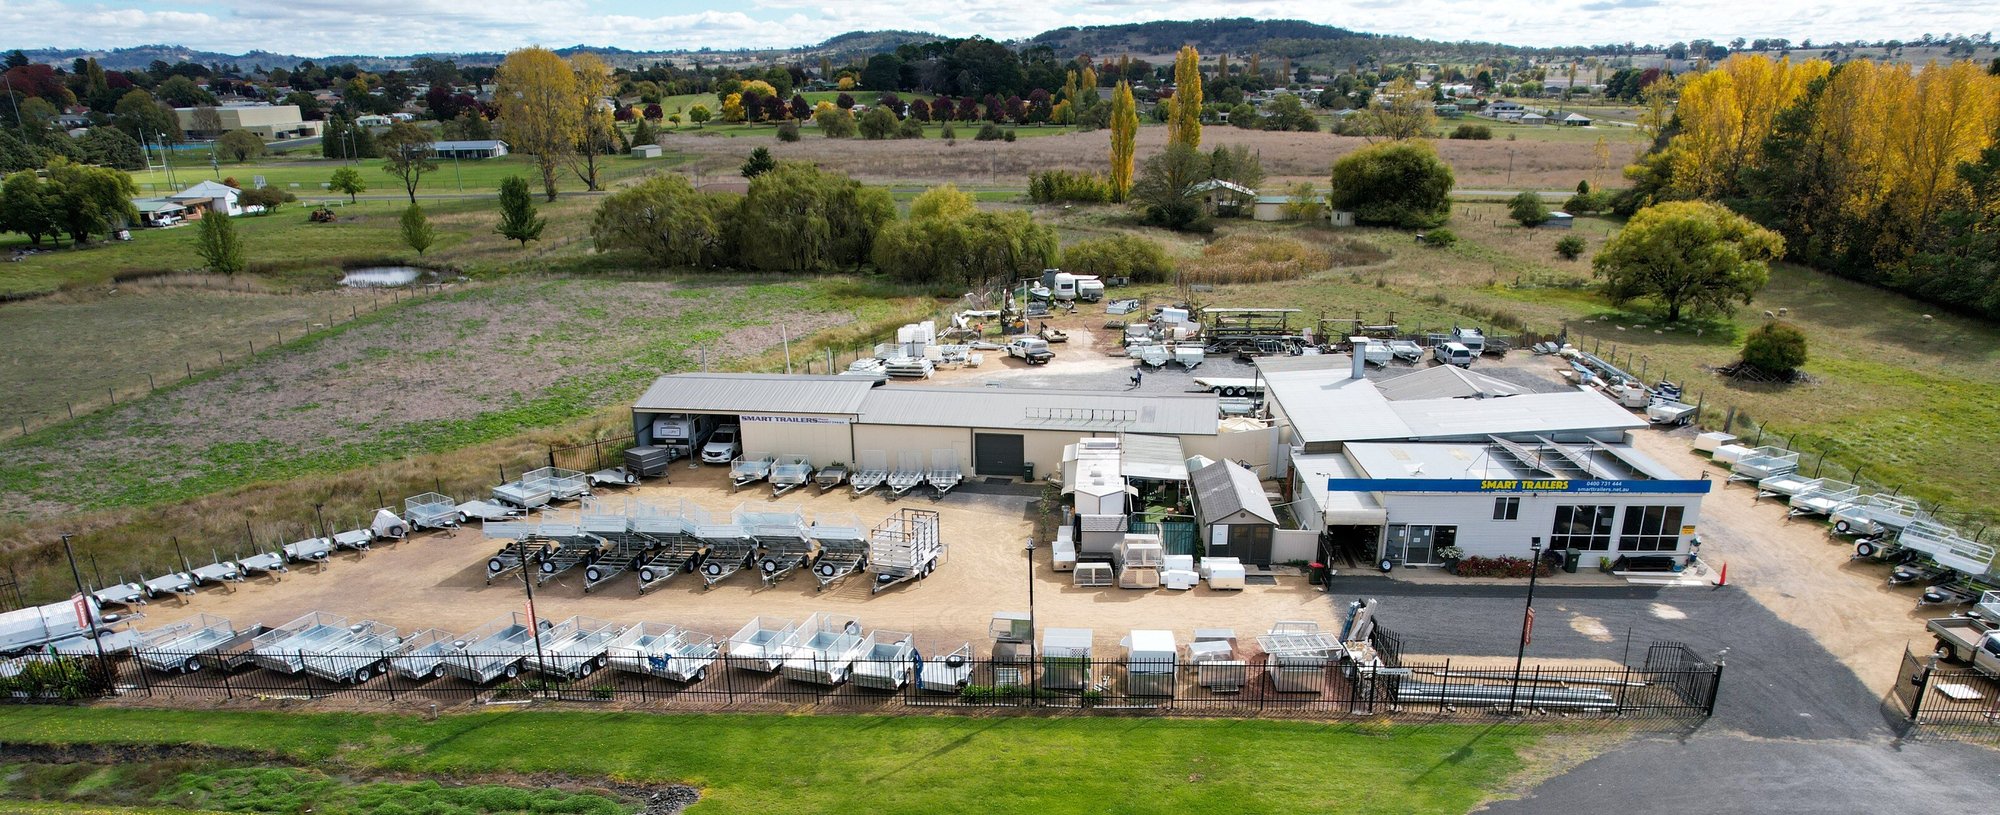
column 1527, row 619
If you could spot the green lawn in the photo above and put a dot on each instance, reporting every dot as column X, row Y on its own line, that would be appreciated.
column 451, row 178
column 918, row 764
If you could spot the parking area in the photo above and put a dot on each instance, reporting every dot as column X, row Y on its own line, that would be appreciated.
column 438, row 579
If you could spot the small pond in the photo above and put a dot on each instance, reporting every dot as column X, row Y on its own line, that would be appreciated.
column 380, row 276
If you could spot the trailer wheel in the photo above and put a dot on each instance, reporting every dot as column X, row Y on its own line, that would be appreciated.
column 597, row 663
column 1386, row 566
column 437, row 672
column 591, row 574
column 646, row 575
column 770, row 566
column 513, row 671
column 700, row 673
column 363, row 675
column 191, row 665
column 398, row 531
column 493, row 566
column 826, row 570
column 1864, row 549
column 1841, row 527
column 712, row 569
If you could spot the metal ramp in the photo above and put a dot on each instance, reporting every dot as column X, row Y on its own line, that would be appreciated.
column 944, row 473
column 908, row 474
column 782, row 544
column 673, row 546
column 727, row 545
column 905, row 546
column 789, row 472
column 873, row 472
column 843, row 547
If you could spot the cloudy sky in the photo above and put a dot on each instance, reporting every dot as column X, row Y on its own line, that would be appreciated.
column 393, row 27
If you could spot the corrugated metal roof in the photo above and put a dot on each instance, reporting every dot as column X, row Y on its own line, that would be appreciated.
column 1337, row 508
column 1432, row 460
column 1326, row 405
column 1514, row 415
column 1445, row 382
column 1225, row 488
column 1041, row 409
column 474, row 144
column 1153, row 458
column 755, row 393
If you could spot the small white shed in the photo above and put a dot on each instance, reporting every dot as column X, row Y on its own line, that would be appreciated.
column 645, row 151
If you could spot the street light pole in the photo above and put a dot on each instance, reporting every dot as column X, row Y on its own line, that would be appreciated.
column 1527, row 619
column 534, row 622
column 1031, row 606
column 89, row 611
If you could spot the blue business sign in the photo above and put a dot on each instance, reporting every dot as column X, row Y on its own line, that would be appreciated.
column 1514, row 485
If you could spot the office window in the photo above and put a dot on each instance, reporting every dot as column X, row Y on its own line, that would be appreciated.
column 1582, row 527
column 1650, row 529
column 1506, row 509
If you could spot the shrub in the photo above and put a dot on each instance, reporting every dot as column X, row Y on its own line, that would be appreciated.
column 1585, row 203
column 1056, row 186
column 789, row 131
column 988, row 132
column 268, row 197
column 1008, row 137
column 1255, row 259
column 1570, row 247
column 1528, row 210
column 911, row 129
column 1473, row 132
column 1439, row 238
column 1401, row 184
column 1120, row 255
column 1775, row 347
column 1502, row 567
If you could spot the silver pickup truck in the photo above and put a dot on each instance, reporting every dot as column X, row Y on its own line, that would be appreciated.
column 1970, row 639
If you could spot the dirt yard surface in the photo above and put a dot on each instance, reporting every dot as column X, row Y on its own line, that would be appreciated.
column 439, row 580
column 1287, row 157
column 469, row 364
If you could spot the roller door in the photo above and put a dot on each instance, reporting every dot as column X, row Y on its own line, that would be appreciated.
column 999, row 454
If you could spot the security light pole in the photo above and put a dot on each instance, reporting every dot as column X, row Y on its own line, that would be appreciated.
column 89, row 612
column 1527, row 619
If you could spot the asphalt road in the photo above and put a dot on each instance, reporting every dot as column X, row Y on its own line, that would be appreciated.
column 1793, row 731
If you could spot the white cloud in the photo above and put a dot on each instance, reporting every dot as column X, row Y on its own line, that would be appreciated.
column 318, row 27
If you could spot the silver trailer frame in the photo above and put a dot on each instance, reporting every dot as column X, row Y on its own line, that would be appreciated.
column 1825, row 497
column 574, row 647
column 271, row 563
column 886, row 661
column 121, row 594
column 178, row 648
column 908, row 474
column 760, row 644
column 178, row 584
column 789, row 472
column 1763, row 463
column 947, row 673
column 843, row 547
column 823, row 650
column 830, row 476
column 494, row 650
column 905, row 546
column 1785, row 485
column 282, row 649
column 727, row 547
column 675, row 549
column 871, row 472
column 782, row 544
column 358, row 658
column 663, row 650
column 750, row 468
column 1944, row 545
column 309, row 550
column 432, row 510
column 1876, row 514
column 944, row 473
column 422, row 655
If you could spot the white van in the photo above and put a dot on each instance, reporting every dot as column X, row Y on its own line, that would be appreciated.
column 1452, row 353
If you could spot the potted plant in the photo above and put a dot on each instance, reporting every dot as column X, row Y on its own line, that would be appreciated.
column 1451, row 555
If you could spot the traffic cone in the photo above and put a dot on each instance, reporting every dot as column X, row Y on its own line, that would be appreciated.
column 1722, row 578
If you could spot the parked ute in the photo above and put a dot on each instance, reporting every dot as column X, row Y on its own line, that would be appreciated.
column 1971, row 640
column 723, row 446
column 1033, row 350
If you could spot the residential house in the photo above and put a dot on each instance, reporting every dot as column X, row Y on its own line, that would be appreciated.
column 207, row 197
column 476, row 149
column 1576, row 120
column 1223, row 198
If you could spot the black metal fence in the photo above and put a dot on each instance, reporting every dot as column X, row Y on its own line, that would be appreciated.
column 1253, row 686
column 1941, row 698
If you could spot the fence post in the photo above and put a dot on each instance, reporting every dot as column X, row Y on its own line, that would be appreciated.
column 1715, row 687
column 228, row 691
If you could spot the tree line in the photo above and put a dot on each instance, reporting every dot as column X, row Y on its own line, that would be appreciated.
column 1880, row 173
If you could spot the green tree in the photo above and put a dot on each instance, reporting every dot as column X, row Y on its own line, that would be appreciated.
column 1687, row 255
column 541, row 111
column 799, row 218
column 665, row 219
column 268, row 197
column 240, row 145
column 1570, row 247
column 944, row 202
column 181, row 92
column 30, row 207
column 1236, row 164
column 1775, row 347
column 878, row 123
column 418, row 233
column 910, row 129
column 110, row 147
column 1527, row 209
column 1286, row 112
column 347, row 180
column 1165, row 189
column 1402, row 184
column 698, row 114
column 221, row 249
column 93, row 200
column 759, row 163
column 1124, row 139
column 141, row 116
column 834, row 122
column 407, row 155
column 518, row 221
column 964, row 247
column 1184, row 118
column 1119, row 255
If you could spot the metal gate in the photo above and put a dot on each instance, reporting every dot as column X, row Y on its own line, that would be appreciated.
column 1001, row 454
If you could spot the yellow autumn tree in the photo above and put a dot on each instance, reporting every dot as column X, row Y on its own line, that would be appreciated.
column 1184, row 109
column 597, row 131
column 732, row 108
column 1725, row 115
column 1124, row 139
column 539, row 114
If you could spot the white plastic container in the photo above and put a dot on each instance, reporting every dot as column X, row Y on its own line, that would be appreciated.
column 1709, row 442
column 1225, row 576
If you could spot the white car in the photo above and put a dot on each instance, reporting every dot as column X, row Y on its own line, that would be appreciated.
column 723, row 446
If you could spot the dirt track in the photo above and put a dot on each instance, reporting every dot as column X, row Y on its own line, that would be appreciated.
column 438, row 579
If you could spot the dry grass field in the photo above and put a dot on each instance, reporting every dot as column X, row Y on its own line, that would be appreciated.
column 1287, row 157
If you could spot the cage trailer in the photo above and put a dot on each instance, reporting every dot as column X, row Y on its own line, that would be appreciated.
column 760, row 644
column 782, row 543
column 283, row 649
column 422, row 655
column 494, row 650
column 905, row 546
column 179, row 650
column 662, row 650
column 843, row 547
column 823, row 650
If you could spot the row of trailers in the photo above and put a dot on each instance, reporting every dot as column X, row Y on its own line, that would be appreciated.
column 824, row 649
column 653, row 541
column 789, row 472
column 1895, row 529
